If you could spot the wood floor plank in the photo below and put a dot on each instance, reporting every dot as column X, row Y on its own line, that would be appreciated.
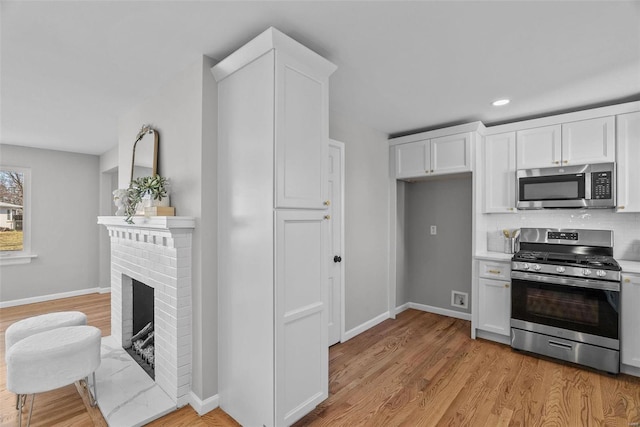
column 420, row 369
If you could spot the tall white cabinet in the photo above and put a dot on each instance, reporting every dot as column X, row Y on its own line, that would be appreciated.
column 273, row 141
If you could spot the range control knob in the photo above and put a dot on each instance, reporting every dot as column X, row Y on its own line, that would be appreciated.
column 601, row 273
column 536, row 267
column 525, row 266
column 586, row 272
column 561, row 269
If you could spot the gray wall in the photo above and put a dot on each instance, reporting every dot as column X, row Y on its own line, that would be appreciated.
column 64, row 230
column 184, row 113
column 438, row 264
column 366, row 255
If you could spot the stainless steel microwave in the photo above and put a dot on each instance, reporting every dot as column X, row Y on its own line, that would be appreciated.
column 580, row 186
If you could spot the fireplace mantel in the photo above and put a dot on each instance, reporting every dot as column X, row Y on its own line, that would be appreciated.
column 153, row 222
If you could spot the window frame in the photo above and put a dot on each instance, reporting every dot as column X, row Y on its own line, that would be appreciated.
column 25, row 255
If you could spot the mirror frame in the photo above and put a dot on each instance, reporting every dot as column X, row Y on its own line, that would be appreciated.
column 146, row 129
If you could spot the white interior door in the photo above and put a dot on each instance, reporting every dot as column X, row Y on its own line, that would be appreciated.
column 336, row 266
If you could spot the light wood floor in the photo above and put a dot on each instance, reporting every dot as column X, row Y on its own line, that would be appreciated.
column 421, row 369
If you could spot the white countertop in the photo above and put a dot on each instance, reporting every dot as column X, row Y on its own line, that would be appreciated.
column 629, row 266
column 494, row 256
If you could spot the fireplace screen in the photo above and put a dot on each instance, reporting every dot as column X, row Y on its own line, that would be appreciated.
column 142, row 341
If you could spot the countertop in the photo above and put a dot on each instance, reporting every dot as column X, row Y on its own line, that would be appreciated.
column 494, row 256
column 627, row 266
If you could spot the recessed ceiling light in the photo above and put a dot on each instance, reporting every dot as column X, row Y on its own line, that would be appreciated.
column 500, row 102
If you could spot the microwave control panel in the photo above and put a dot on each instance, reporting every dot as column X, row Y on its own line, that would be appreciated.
column 601, row 185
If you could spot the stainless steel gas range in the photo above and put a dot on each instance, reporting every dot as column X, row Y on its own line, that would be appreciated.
column 565, row 296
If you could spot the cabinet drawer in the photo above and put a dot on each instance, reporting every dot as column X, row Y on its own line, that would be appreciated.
column 495, row 270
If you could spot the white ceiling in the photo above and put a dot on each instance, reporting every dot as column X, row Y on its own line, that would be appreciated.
column 69, row 69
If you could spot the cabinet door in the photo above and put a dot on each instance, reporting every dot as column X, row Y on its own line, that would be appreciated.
column 500, row 173
column 451, row 154
column 630, row 340
column 539, row 147
column 494, row 306
column 628, row 159
column 589, row 141
column 301, row 350
column 301, row 134
column 413, row 159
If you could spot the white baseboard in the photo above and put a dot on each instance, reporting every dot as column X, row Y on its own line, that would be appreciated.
column 23, row 301
column 104, row 290
column 403, row 307
column 438, row 310
column 366, row 325
column 203, row 406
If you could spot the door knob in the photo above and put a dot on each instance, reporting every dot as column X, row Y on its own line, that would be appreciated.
column 337, row 258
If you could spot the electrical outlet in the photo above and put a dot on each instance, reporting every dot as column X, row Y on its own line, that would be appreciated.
column 434, row 230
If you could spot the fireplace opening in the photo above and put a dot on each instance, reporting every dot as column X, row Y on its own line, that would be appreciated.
column 142, row 341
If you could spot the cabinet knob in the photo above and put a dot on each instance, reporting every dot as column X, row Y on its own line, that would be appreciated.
column 620, row 207
column 337, row 258
column 627, row 280
column 327, row 217
column 556, row 162
column 327, row 202
column 431, row 170
column 566, row 161
column 506, row 285
column 510, row 209
column 494, row 271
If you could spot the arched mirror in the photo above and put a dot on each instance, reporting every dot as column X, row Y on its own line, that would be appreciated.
column 145, row 153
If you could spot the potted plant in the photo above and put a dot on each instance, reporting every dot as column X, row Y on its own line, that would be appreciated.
column 154, row 188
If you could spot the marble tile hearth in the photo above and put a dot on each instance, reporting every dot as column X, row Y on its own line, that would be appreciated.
column 156, row 251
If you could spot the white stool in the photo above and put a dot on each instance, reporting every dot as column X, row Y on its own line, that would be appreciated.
column 45, row 322
column 53, row 359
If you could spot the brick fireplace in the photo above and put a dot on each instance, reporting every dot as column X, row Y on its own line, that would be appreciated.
column 157, row 252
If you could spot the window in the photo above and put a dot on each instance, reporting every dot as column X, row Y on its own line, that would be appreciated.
column 15, row 227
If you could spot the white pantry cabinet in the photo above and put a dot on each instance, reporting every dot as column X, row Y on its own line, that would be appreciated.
column 272, row 145
column 630, row 339
column 573, row 143
column 628, row 162
column 500, row 173
column 436, row 156
column 494, row 297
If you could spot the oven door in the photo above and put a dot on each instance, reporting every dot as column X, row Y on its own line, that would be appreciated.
column 582, row 310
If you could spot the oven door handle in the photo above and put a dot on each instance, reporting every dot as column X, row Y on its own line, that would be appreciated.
column 567, row 281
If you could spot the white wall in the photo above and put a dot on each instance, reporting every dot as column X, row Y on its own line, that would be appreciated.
column 184, row 113
column 366, row 219
column 64, row 228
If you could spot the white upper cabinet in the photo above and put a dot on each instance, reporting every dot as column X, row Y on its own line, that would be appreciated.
column 301, row 133
column 539, row 147
column 628, row 159
column 437, row 156
column 451, row 154
column 589, row 141
column 574, row 143
column 413, row 159
column 500, row 173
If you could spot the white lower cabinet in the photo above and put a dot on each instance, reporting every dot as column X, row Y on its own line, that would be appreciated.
column 301, row 356
column 630, row 339
column 494, row 297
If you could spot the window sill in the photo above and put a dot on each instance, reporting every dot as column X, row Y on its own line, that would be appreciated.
column 24, row 258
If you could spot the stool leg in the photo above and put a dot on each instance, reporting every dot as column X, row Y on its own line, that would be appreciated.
column 33, row 397
column 17, row 401
column 19, row 411
column 95, row 390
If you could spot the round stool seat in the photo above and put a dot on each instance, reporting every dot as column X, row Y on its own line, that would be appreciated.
column 53, row 359
column 45, row 322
